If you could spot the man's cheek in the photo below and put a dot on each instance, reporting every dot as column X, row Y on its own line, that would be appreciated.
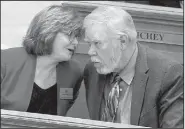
column 106, row 54
column 105, row 57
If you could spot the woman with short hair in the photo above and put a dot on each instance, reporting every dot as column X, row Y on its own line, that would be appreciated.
column 40, row 77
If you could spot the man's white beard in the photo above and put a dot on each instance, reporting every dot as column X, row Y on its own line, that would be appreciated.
column 114, row 68
column 104, row 70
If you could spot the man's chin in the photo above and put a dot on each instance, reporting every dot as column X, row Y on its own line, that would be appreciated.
column 103, row 71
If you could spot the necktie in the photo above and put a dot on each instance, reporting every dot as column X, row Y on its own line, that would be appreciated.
column 112, row 103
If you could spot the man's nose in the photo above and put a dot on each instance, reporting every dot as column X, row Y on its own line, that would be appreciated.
column 91, row 51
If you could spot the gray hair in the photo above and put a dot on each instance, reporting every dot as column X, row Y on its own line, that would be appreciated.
column 45, row 26
column 116, row 19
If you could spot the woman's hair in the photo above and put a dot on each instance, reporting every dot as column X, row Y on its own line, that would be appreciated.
column 45, row 26
column 116, row 20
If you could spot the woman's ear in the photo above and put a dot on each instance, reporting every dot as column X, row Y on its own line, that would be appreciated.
column 123, row 40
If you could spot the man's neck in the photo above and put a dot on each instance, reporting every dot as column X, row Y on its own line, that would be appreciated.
column 128, row 72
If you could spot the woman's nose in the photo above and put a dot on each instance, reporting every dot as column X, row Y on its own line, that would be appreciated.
column 75, row 42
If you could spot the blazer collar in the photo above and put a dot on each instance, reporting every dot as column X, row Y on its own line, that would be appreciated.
column 139, row 84
column 64, row 72
column 65, row 79
column 99, row 80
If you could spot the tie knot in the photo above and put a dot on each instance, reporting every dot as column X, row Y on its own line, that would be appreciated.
column 117, row 78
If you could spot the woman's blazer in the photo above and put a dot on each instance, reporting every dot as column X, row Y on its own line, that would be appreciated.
column 17, row 79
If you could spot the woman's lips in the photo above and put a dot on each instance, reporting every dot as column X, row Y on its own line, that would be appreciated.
column 71, row 50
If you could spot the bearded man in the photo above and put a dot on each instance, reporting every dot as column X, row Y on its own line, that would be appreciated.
column 127, row 82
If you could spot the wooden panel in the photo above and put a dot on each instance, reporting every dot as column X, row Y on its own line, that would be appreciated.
column 148, row 10
column 160, row 37
column 19, row 119
column 158, row 27
column 165, row 20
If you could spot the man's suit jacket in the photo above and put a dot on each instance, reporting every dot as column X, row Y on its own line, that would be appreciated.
column 17, row 78
column 157, row 90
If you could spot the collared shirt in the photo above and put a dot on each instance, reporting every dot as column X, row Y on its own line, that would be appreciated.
column 127, row 75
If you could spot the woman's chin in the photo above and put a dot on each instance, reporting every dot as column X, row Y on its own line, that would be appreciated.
column 69, row 57
column 66, row 59
column 60, row 59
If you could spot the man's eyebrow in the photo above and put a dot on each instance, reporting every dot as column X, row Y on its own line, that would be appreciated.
column 95, row 40
column 90, row 40
column 87, row 39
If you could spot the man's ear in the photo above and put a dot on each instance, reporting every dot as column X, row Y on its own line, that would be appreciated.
column 123, row 40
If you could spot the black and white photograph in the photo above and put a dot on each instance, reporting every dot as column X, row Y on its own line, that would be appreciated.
column 92, row 64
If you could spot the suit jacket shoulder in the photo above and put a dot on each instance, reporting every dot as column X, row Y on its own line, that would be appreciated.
column 14, row 55
column 163, row 92
column 160, row 66
column 165, row 68
column 157, row 59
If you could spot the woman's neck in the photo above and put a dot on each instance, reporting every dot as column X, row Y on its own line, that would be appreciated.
column 45, row 74
column 45, row 63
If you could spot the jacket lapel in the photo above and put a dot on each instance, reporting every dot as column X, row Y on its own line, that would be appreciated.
column 139, row 84
column 26, row 84
column 98, row 95
column 64, row 73
column 65, row 79
column 98, row 82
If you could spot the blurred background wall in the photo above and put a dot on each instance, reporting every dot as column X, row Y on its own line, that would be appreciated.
column 15, row 18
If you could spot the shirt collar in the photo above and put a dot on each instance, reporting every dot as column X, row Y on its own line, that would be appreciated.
column 128, row 73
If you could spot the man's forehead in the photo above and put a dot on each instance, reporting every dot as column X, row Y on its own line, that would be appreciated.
column 96, row 32
column 96, row 27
